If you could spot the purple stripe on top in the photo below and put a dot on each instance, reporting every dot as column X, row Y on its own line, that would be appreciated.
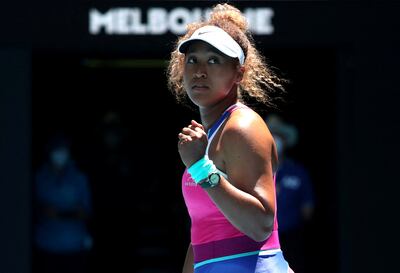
column 232, row 246
column 224, row 115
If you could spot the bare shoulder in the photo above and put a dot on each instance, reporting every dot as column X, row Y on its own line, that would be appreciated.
column 247, row 127
column 248, row 149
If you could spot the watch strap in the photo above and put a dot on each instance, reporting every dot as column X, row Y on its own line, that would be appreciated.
column 206, row 183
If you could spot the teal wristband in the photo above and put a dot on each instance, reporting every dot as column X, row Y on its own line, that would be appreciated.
column 201, row 169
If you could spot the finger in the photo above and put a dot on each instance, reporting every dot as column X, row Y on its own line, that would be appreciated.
column 196, row 127
column 199, row 130
column 190, row 132
column 184, row 138
column 196, row 124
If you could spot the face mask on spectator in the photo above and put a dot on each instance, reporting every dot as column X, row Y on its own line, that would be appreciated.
column 59, row 157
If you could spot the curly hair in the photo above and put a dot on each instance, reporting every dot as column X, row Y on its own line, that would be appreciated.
column 259, row 81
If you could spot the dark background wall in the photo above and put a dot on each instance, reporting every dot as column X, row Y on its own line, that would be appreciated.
column 87, row 89
column 341, row 57
column 15, row 147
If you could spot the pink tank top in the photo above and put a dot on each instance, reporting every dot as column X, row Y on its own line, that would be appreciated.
column 212, row 235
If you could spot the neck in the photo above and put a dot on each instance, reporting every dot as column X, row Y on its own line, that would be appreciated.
column 210, row 114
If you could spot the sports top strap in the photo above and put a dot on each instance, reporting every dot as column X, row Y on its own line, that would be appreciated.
column 214, row 129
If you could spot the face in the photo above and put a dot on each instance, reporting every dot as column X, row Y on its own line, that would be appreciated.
column 209, row 76
column 112, row 139
column 59, row 157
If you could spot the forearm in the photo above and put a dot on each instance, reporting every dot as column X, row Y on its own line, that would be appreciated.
column 74, row 214
column 243, row 210
column 188, row 265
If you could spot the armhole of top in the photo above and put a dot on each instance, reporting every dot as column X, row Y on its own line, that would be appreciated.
column 216, row 131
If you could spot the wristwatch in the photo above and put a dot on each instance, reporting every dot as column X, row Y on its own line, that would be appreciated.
column 211, row 181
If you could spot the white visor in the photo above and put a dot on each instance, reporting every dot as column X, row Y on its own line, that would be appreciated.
column 218, row 38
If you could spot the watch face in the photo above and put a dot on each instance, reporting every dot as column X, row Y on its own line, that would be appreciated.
column 214, row 179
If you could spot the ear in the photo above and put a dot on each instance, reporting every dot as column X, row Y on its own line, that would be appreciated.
column 240, row 73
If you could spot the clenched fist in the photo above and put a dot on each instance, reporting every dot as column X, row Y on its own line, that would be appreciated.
column 192, row 143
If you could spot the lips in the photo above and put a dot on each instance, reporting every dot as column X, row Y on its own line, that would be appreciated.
column 199, row 87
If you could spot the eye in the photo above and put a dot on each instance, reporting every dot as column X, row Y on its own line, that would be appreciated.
column 213, row 60
column 191, row 60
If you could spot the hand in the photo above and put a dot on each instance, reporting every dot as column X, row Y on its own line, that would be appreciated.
column 192, row 143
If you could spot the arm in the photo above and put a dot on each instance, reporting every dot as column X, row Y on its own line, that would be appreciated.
column 188, row 265
column 49, row 211
column 246, row 153
column 81, row 210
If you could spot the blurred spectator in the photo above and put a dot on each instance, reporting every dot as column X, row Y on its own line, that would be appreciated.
column 113, row 196
column 62, row 208
column 295, row 198
column 127, row 229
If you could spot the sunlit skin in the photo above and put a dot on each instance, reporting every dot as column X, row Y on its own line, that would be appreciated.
column 209, row 76
column 243, row 148
column 210, row 80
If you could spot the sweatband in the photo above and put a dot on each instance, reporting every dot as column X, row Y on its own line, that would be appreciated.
column 201, row 169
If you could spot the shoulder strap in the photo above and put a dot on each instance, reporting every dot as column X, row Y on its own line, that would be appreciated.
column 214, row 129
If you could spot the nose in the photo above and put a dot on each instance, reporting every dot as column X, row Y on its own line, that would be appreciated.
column 200, row 73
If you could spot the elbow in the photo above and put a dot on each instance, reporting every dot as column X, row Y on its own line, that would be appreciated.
column 263, row 231
column 262, row 235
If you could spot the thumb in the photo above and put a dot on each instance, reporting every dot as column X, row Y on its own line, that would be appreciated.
column 196, row 124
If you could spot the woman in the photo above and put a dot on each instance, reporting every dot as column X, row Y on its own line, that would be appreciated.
column 230, row 157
